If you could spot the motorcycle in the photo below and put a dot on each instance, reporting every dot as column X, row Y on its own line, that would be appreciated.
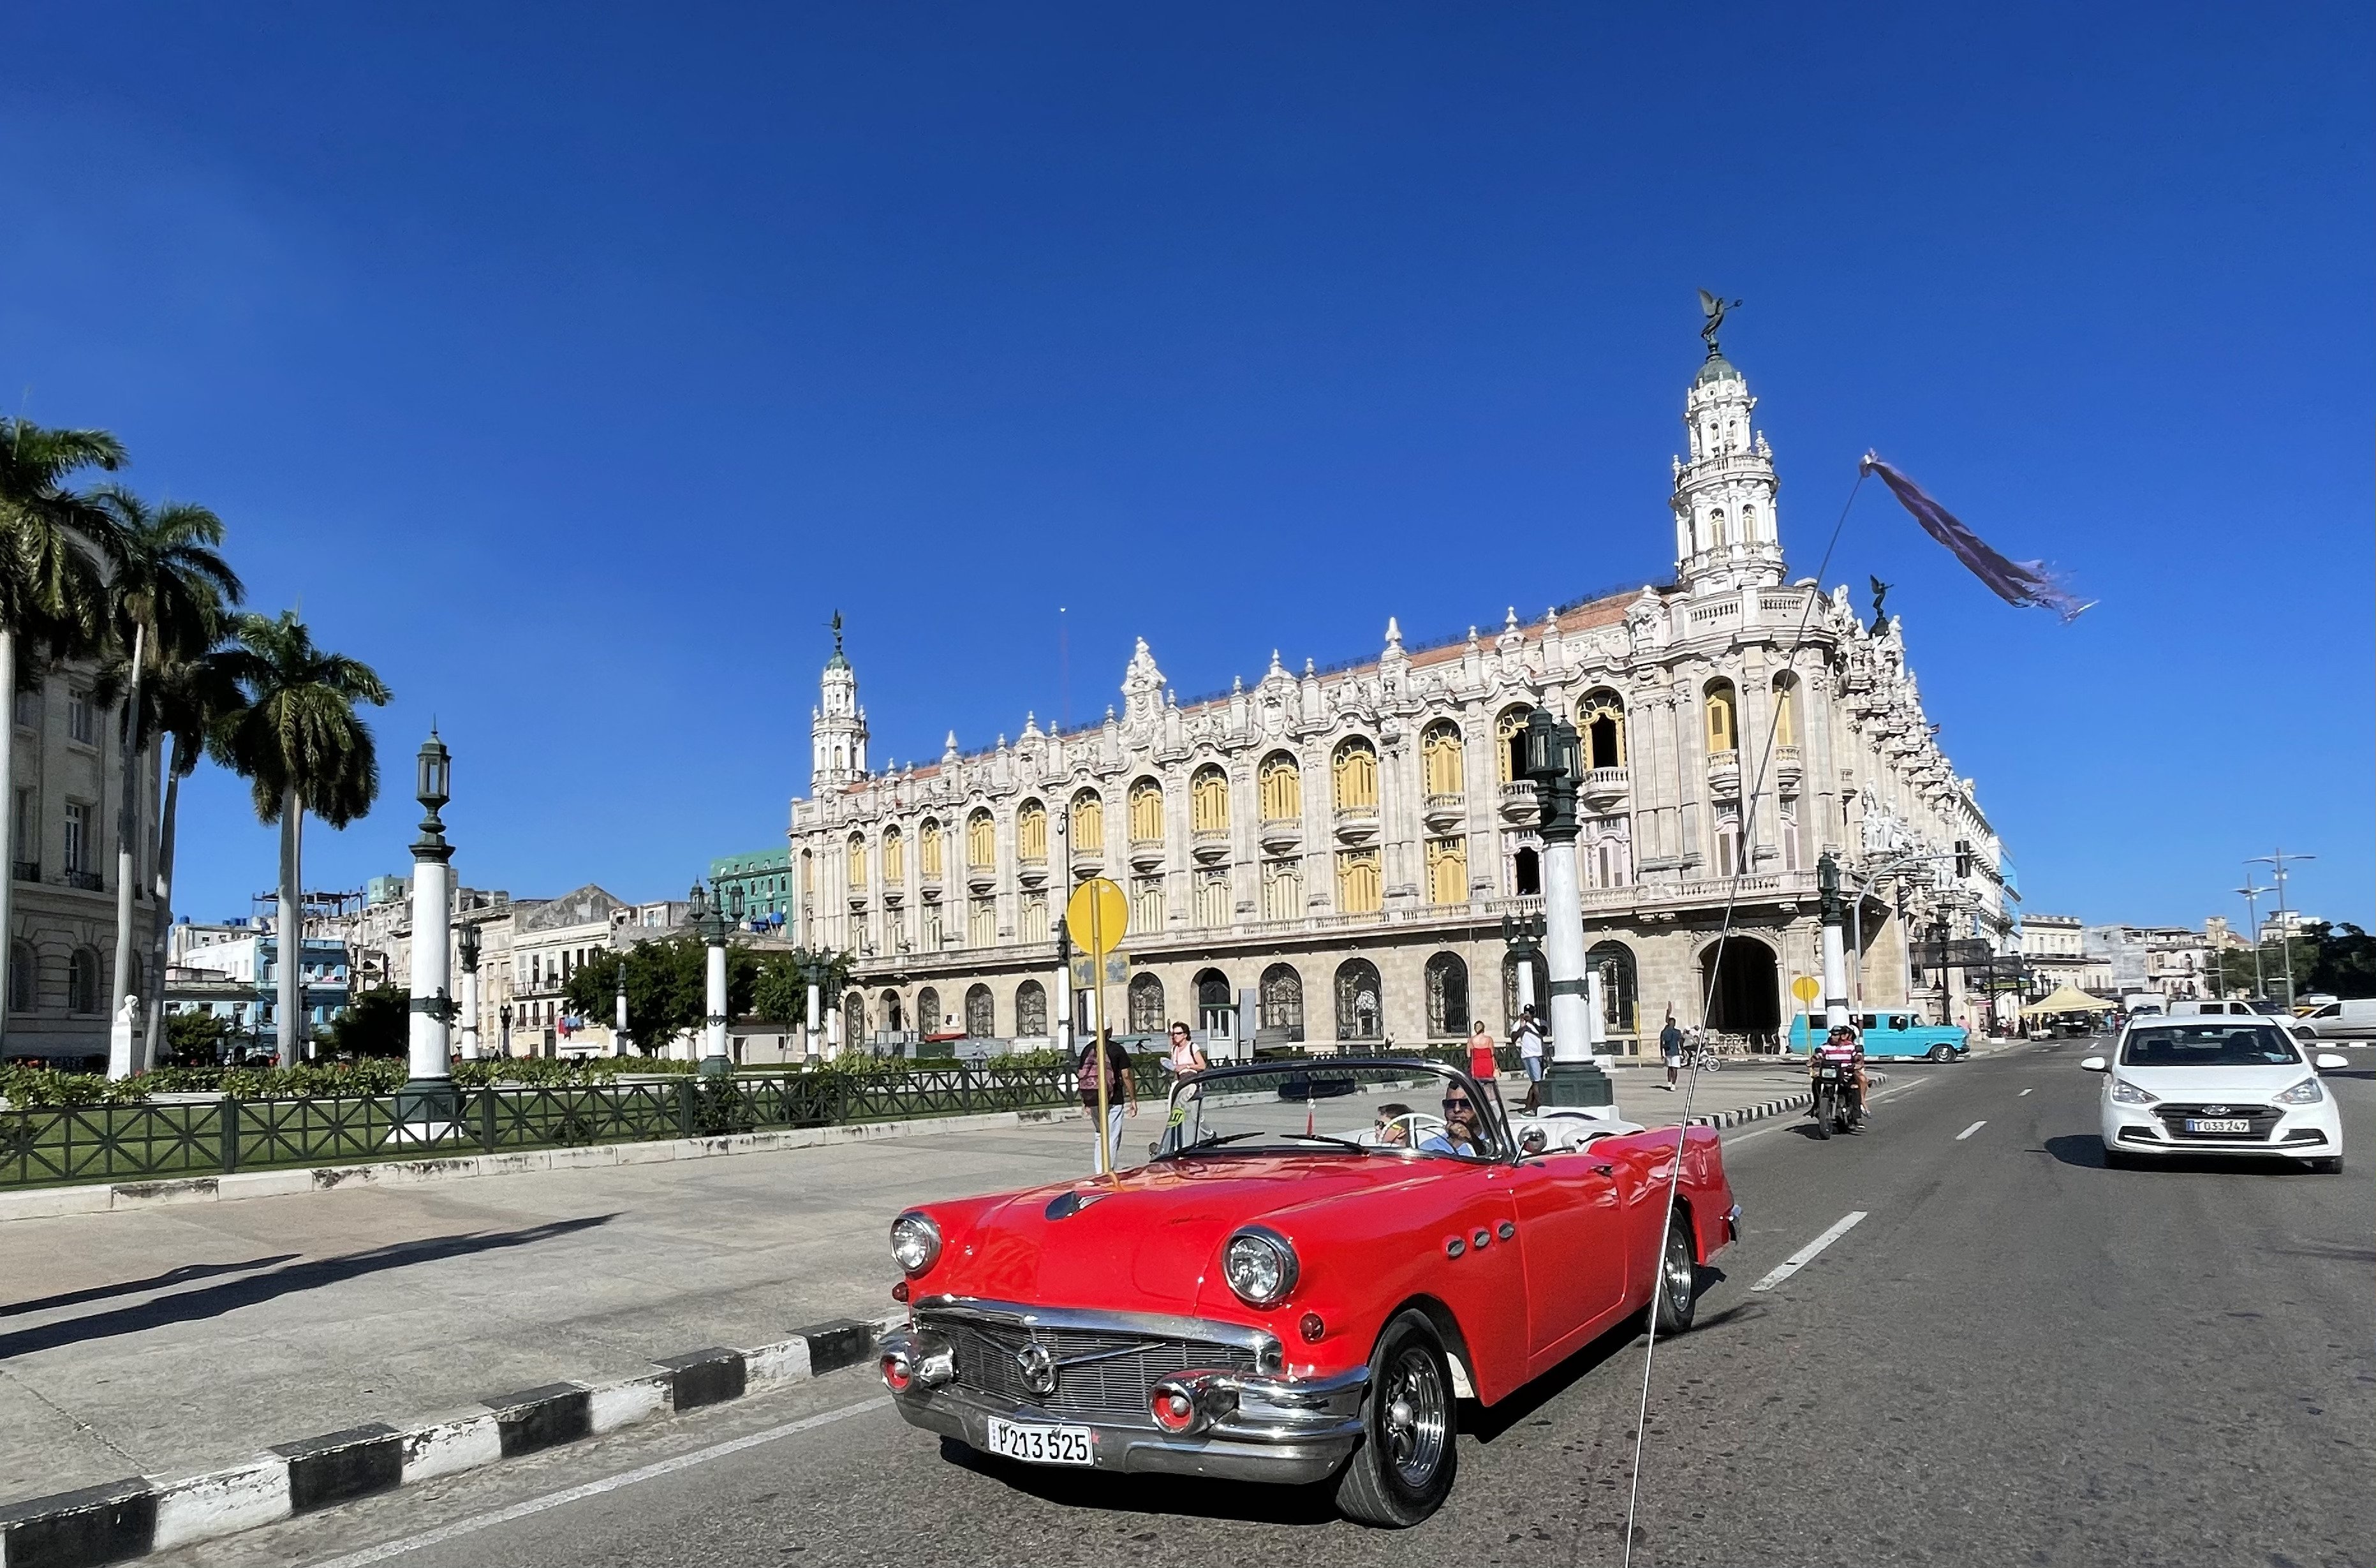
column 1835, row 1107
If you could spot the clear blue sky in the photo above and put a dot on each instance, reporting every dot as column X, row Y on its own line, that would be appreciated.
column 570, row 365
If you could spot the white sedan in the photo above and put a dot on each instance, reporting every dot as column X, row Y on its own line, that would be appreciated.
column 2217, row 1085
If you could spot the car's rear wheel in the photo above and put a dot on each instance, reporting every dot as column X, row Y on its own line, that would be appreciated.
column 1678, row 1289
column 1408, row 1455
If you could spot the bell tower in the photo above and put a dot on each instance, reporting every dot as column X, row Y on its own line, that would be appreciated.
column 1726, row 532
column 836, row 725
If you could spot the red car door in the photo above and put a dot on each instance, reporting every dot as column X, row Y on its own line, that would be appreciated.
column 1572, row 1239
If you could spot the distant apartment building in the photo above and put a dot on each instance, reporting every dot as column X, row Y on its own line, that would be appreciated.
column 2174, row 960
column 2054, row 950
column 233, row 971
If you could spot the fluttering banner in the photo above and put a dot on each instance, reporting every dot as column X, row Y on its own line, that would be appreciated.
column 2015, row 582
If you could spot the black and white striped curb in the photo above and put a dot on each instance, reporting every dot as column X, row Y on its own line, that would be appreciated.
column 1763, row 1108
column 131, row 1518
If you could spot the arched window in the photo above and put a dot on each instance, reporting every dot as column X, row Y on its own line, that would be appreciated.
column 1526, row 872
column 1614, row 961
column 1208, row 800
column 1282, row 1001
column 1145, row 1004
column 1032, row 1008
column 927, row 850
column 1360, row 1000
column 82, row 980
column 1031, row 834
column 1356, row 770
column 1282, row 788
column 1213, row 994
column 1088, row 821
column 1441, row 758
column 1716, row 535
column 895, row 858
column 1510, row 743
column 1447, row 871
column 858, row 860
column 24, row 969
column 1723, row 718
column 980, row 1012
column 1360, row 881
column 893, row 1018
column 1146, row 812
column 1601, row 717
column 982, row 841
column 928, row 1012
column 1539, row 991
column 853, row 1017
column 1785, row 711
column 1447, row 996
column 1749, row 525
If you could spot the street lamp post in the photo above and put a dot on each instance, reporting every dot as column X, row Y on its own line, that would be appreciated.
column 619, row 1011
column 467, row 948
column 2276, row 863
column 2252, row 923
column 1553, row 762
column 714, row 920
column 427, row 1106
column 1523, row 935
column 813, row 972
column 1836, row 963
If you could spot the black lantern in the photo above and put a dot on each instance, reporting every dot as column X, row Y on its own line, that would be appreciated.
column 467, row 947
column 699, row 900
column 434, row 772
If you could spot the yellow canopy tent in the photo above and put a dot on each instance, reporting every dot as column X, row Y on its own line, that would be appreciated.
column 2065, row 999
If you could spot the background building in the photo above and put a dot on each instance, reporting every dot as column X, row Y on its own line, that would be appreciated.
column 1345, row 843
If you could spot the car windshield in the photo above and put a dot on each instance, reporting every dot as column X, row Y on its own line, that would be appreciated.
column 2222, row 1044
column 1351, row 1108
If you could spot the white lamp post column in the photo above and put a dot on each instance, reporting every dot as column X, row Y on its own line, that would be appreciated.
column 467, row 946
column 426, row 1107
column 1835, row 962
column 814, row 972
column 1554, row 762
column 715, row 920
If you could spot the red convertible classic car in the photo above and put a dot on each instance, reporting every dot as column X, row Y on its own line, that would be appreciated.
column 1316, row 1265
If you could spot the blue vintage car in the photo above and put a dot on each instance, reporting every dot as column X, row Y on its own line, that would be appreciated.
column 1889, row 1036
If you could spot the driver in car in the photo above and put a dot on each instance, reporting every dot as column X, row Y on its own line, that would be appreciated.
column 1845, row 1051
column 1462, row 1131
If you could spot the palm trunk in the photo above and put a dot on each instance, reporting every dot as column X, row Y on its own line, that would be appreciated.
column 121, row 1065
column 292, row 933
column 153, row 1001
column 9, row 783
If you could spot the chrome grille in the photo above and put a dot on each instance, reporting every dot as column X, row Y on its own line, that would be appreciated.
column 1114, row 1388
column 2174, row 1118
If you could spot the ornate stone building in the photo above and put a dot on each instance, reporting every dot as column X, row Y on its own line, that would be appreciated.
column 1345, row 844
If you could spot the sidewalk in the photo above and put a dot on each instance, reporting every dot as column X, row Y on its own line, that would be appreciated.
column 168, row 1340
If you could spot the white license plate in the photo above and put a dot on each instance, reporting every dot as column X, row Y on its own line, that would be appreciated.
column 2218, row 1124
column 1040, row 1444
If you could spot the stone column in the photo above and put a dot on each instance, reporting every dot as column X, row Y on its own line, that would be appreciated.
column 427, row 1107
column 1572, row 1078
column 714, row 1061
column 1835, row 969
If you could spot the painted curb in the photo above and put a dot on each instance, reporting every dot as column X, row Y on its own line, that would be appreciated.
column 121, row 1520
column 53, row 1203
column 1763, row 1108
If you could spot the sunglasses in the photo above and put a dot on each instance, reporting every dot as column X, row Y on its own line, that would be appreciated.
column 1457, row 1105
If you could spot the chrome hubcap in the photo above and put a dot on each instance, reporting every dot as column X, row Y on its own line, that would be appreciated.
column 1412, row 1411
column 1678, row 1270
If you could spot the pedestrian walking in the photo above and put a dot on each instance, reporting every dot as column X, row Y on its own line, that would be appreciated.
column 1670, row 1048
column 1481, row 1054
column 1186, row 1057
column 1120, row 1094
column 1528, row 1038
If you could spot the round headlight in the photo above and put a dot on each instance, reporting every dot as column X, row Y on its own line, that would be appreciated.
column 915, row 1242
column 1260, row 1266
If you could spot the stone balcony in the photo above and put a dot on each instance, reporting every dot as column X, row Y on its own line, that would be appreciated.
column 1209, row 844
column 1282, row 834
column 1604, row 787
column 1788, row 768
column 1518, row 804
column 1356, row 824
column 1444, row 813
column 1724, row 772
column 1146, row 854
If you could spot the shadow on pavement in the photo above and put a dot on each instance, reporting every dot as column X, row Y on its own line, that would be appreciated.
column 181, row 1276
column 190, row 1306
column 1184, row 1495
column 2085, row 1150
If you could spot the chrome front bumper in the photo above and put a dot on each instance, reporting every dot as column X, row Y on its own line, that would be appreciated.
column 1249, row 1428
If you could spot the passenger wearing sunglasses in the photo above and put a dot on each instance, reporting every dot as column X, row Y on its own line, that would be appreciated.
column 1462, row 1131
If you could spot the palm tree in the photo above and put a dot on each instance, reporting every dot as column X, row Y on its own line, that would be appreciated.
column 302, row 747
column 167, row 601
column 187, row 698
column 53, row 539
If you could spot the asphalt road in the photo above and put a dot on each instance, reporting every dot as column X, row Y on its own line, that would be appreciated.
column 2016, row 1357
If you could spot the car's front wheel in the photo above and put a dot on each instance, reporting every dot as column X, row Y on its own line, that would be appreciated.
column 1408, row 1455
column 1942, row 1053
column 1678, row 1286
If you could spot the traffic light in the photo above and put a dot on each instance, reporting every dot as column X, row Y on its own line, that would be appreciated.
column 1963, row 858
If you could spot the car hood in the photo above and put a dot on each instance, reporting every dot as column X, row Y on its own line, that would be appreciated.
column 2194, row 1085
column 1145, row 1240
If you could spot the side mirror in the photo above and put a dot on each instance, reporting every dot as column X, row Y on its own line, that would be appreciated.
column 2094, row 1064
column 1533, row 1140
column 2329, row 1061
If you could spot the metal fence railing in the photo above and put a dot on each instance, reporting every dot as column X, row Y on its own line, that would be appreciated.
column 131, row 1142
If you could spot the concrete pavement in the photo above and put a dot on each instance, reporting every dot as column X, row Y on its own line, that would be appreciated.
column 2016, row 1356
column 168, row 1340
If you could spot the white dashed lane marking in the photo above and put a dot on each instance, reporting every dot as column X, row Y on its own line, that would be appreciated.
column 1971, row 1130
column 1806, row 1254
column 2024, row 1091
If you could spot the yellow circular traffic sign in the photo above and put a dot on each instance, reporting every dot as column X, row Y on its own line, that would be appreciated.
column 1806, row 988
column 1098, row 916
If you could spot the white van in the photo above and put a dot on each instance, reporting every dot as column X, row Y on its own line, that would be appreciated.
column 2355, row 1019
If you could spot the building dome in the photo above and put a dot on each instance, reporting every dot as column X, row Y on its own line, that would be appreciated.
column 1717, row 368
